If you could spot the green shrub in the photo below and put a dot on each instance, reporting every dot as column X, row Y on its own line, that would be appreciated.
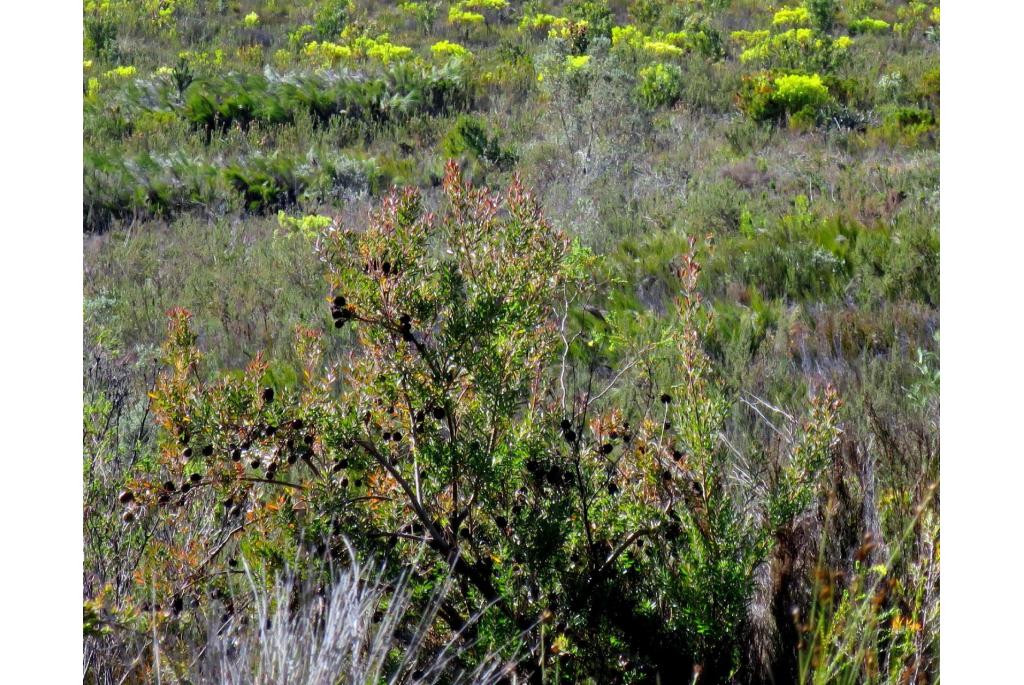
column 331, row 17
column 440, row 427
column 868, row 25
column 469, row 135
column 823, row 13
column 596, row 13
column 797, row 92
column 906, row 125
column 660, row 85
column 767, row 97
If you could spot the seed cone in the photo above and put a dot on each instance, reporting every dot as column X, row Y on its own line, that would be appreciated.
column 126, row 496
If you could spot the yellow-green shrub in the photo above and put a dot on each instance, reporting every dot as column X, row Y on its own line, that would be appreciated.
column 444, row 48
column 660, row 85
column 765, row 96
column 792, row 16
column 868, row 25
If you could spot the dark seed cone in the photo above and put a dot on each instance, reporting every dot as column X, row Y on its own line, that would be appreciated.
column 666, row 398
column 208, row 451
column 126, row 497
column 268, row 395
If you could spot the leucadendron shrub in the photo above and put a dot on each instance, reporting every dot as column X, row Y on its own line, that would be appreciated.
column 586, row 517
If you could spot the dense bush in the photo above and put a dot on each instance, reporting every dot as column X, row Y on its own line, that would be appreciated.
column 442, row 438
column 769, row 97
column 660, row 85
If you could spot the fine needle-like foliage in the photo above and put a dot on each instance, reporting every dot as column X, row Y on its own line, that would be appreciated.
column 589, row 539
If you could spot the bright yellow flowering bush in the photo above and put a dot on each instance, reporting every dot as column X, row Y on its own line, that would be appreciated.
column 576, row 62
column 796, row 91
column 792, row 16
column 251, row 20
column 797, row 49
column 357, row 48
column 120, row 73
column 660, row 48
column 87, row 64
column 444, row 48
column 484, row 4
column 627, row 36
column 456, row 15
column 766, row 96
column 384, row 51
column 326, row 53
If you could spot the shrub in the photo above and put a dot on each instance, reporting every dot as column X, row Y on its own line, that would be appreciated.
column 468, row 135
column 797, row 49
column 595, row 13
column 662, row 49
column 823, row 13
column 331, row 17
column 443, row 451
column 660, row 85
column 868, row 25
column 457, row 16
column 792, row 16
column 795, row 92
column 251, row 20
column 446, row 48
column 906, row 125
column 766, row 97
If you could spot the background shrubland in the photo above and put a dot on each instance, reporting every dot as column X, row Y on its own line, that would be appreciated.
column 665, row 405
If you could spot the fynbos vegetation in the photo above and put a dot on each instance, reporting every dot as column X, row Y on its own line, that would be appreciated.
column 493, row 342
